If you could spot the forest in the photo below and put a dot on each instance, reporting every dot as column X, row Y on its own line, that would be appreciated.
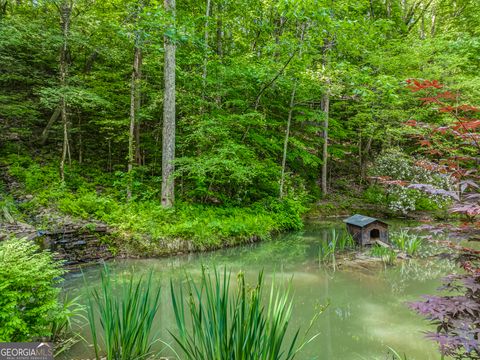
column 173, row 176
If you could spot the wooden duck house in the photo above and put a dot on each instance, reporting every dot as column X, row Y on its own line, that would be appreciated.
column 367, row 230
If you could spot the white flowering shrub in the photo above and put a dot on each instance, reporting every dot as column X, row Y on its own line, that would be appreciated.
column 400, row 172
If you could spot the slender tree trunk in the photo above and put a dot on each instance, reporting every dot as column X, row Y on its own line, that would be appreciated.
column 372, row 11
column 434, row 22
column 325, row 106
column 65, row 11
column 364, row 156
column 422, row 25
column 219, row 44
column 205, row 55
column 168, row 145
column 287, row 137
column 133, row 115
column 404, row 11
column 302, row 30
column 219, row 30
column 80, row 140
column 109, row 159
column 53, row 118
column 138, row 104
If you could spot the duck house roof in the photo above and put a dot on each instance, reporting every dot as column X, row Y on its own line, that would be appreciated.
column 361, row 220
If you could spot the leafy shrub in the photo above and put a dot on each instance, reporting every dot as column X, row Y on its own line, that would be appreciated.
column 87, row 204
column 287, row 212
column 32, row 175
column 456, row 313
column 397, row 169
column 29, row 293
column 374, row 194
column 8, row 209
column 204, row 225
column 456, row 316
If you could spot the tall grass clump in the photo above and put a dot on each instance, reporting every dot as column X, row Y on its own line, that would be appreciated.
column 71, row 315
column 218, row 322
column 339, row 241
column 408, row 243
column 125, row 311
column 387, row 254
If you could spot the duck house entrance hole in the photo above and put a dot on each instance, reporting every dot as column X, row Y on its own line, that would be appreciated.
column 375, row 234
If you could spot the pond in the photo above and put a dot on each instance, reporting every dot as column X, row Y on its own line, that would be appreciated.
column 366, row 312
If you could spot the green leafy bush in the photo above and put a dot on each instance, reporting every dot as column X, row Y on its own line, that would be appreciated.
column 87, row 204
column 394, row 164
column 374, row 194
column 29, row 292
column 205, row 225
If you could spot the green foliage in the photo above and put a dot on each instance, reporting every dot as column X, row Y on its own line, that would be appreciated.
column 8, row 209
column 226, row 325
column 126, row 310
column 407, row 242
column 387, row 254
column 338, row 242
column 395, row 164
column 205, row 225
column 427, row 204
column 65, row 325
column 374, row 194
column 396, row 355
column 28, row 284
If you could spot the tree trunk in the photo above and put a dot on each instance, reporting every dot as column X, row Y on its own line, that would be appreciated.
column 364, row 158
column 138, row 104
column 80, row 140
column 168, row 143
column 287, row 136
column 65, row 11
column 422, row 25
column 53, row 118
column 205, row 55
column 219, row 43
column 372, row 11
column 434, row 22
column 219, row 30
column 325, row 106
column 290, row 113
column 133, row 114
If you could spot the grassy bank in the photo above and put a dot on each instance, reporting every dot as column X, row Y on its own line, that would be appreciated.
column 140, row 225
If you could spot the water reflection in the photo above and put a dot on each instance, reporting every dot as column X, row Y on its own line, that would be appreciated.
column 367, row 309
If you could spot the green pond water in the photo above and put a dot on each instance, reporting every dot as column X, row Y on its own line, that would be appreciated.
column 367, row 311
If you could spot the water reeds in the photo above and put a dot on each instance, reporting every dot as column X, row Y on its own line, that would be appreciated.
column 339, row 241
column 220, row 322
column 408, row 243
column 387, row 254
column 125, row 310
